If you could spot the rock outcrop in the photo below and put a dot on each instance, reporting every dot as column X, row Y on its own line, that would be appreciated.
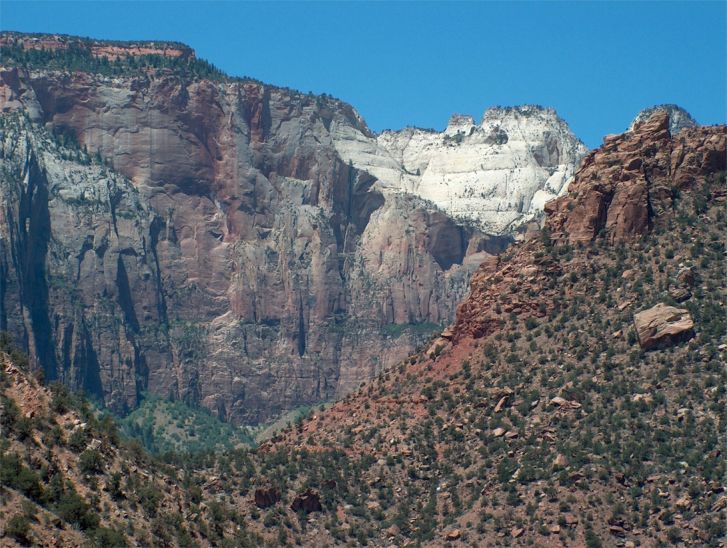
column 679, row 118
column 498, row 173
column 265, row 497
column 663, row 325
column 202, row 239
column 625, row 186
column 99, row 48
column 307, row 502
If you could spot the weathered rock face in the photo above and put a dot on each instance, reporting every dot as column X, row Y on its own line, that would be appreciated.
column 679, row 118
column 498, row 173
column 625, row 186
column 79, row 272
column 307, row 502
column 662, row 325
column 265, row 497
column 99, row 48
column 228, row 256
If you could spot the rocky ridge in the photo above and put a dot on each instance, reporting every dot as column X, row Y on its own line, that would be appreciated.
column 679, row 118
column 620, row 192
column 498, row 173
column 630, row 183
column 538, row 417
column 112, row 50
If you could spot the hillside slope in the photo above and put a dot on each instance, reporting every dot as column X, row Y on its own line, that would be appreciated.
column 67, row 480
column 539, row 418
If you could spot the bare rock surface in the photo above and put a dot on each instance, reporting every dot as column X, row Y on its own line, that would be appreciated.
column 662, row 325
column 625, row 186
column 309, row 501
column 679, row 118
column 212, row 245
column 497, row 173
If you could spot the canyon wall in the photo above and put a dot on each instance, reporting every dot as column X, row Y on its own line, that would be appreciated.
column 218, row 240
column 497, row 174
column 204, row 240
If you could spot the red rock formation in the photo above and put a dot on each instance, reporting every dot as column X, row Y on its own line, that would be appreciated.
column 266, row 497
column 245, row 266
column 623, row 188
column 626, row 185
column 309, row 501
column 519, row 285
column 662, row 325
column 113, row 52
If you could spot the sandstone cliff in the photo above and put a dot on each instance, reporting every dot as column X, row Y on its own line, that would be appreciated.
column 628, row 184
column 211, row 244
column 498, row 173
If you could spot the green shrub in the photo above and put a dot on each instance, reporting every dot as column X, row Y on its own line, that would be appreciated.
column 76, row 511
column 149, row 498
column 18, row 528
column 78, row 440
column 104, row 537
column 91, row 462
column 62, row 400
column 16, row 476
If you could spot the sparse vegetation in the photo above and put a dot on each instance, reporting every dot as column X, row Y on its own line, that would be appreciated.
column 545, row 423
column 164, row 426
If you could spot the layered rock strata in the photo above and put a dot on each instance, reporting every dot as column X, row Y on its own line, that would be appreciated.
column 626, row 186
column 497, row 173
column 204, row 240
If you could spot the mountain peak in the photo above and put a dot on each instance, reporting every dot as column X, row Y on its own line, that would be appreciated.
column 496, row 174
column 459, row 123
column 498, row 111
column 679, row 118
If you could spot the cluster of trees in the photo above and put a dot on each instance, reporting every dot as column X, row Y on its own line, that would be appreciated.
column 76, row 57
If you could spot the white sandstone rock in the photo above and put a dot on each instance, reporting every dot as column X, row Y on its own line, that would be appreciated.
column 498, row 173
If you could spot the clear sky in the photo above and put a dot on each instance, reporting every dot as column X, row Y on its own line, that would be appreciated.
column 415, row 63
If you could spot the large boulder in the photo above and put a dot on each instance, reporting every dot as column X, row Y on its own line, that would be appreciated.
column 663, row 325
column 265, row 497
column 307, row 502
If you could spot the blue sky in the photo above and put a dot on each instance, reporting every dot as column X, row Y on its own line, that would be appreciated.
column 415, row 63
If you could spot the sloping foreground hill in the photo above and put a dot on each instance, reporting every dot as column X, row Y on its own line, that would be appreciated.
column 539, row 418
column 67, row 480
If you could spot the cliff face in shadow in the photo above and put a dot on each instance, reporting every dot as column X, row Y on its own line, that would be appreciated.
column 202, row 239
